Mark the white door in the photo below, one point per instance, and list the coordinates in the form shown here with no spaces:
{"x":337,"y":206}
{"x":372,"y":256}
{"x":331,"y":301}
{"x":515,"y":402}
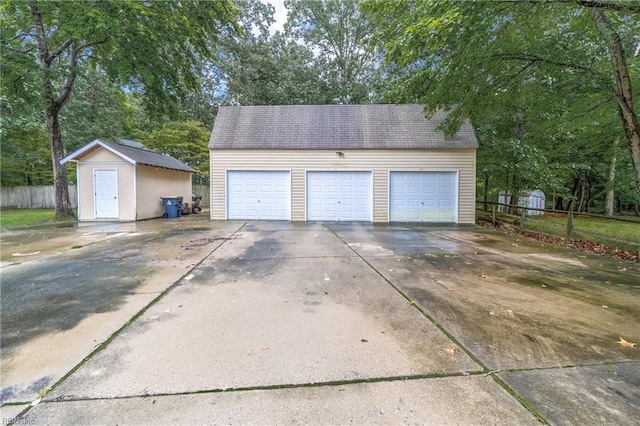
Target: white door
{"x":258,"y":195}
{"x":423,"y":197}
{"x":340,"y":196}
{"x":106,"y":193}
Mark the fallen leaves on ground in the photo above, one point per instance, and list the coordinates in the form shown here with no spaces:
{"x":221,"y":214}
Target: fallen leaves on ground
{"x":625,"y":344}
{"x":582,"y":245}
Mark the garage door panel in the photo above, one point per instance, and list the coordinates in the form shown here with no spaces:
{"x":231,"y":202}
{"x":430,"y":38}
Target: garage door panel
{"x":339,"y":196}
{"x":258,"y":195}
{"x":423,"y":197}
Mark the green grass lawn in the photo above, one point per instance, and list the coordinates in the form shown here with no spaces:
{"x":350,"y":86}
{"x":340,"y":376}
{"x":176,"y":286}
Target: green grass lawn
{"x":17,"y":218}
{"x":625,"y":231}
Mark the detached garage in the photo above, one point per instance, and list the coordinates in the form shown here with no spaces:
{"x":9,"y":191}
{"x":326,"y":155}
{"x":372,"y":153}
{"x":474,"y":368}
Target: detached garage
{"x":123,"y":181}
{"x":370,"y":163}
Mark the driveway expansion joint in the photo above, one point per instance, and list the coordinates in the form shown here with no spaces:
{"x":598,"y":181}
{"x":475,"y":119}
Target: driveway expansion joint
{"x":331,"y":383}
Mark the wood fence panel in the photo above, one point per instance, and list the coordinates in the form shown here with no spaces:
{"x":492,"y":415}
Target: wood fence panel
{"x":204,"y":191}
{"x":43,"y":197}
{"x":32,"y":197}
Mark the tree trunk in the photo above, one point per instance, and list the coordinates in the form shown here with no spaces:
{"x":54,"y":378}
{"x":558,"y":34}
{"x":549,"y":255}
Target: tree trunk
{"x":583,"y":189}
{"x":623,"y":90}
{"x":608,"y":205}
{"x":60,"y":182}
{"x":53,"y":106}
{"x":486,"y":189}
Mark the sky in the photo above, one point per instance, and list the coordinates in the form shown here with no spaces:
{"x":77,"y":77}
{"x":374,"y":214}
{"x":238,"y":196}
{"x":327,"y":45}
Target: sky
{"x":280,"y":15}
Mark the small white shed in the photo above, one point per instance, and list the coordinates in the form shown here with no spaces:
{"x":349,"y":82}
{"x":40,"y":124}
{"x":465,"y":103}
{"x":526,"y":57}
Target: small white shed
{"x":123,"y":181}
{"x":531,"y":199}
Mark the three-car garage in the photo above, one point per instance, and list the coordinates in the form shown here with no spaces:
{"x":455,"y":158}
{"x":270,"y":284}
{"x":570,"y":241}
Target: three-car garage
{"x":367,"y":163}
{"x":413,"y":196}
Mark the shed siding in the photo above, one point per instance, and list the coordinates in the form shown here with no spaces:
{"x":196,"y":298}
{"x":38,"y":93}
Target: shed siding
{"x":381,"y":162}
{"x":86,"y":190}
{"x":156,"y":182}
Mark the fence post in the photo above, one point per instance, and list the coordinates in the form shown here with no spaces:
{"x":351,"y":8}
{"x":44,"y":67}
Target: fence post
{"x":570,"y":223}
{"x":523,"y":215}
{"x":493,"y":215}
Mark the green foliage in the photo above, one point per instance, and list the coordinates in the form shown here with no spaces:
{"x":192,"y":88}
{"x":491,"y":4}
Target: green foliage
{"x":96,"y":110}
{"x":534,"y":77}
{"x":273,"y":72}
{"x":340,"y":36}
{"x":25,"y":158}
{"x":151,"y":48}
{"x":187,"y":141}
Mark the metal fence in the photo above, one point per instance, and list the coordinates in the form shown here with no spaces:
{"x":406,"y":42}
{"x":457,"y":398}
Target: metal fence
{"x":43,"y":197}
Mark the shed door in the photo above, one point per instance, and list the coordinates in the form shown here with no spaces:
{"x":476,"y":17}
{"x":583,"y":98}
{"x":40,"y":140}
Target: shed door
{"x":258,"y":195}
{"x":339,"y":196}
{"x":423,"y":197}
{"x":106,"y":193}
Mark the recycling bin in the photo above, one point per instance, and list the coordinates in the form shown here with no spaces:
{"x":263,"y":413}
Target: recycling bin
{"x":172,"y":206}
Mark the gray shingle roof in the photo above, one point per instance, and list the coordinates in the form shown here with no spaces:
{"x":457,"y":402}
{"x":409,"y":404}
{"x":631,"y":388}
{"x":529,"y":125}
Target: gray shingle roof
{"x":333,"y":127}
{"x":150,"y":158}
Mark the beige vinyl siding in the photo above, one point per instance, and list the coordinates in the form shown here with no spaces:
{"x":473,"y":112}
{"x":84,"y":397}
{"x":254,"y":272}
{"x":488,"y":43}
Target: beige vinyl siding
{"x":380,"y":162}
{"x":155,"y":182}
{"x":101,"y":159}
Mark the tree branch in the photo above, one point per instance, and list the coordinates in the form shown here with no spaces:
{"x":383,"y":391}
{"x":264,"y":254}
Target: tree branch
{"x":539,"y":59}
{"x":89,"y":44}
{"x":61,"y":49}
{"x":71,"y":78}
{"x":41,"y":38}
{"x":617,"y":6}
{"x":624,"y":6}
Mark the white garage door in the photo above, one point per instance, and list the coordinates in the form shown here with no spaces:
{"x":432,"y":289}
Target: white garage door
{"x":258,"y":195}
{"x":423,"y":197}
{"x":339,"y":196}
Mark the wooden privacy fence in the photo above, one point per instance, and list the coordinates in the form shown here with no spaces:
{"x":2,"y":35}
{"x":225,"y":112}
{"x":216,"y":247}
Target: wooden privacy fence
{"x":32,"y":197}
{"x":43,"y":197}
{"x":205,"y":192}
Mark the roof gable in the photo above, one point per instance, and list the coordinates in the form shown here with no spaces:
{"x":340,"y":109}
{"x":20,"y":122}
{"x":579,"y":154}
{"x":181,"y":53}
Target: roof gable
{"x":334,"y":127}
{"x":130,"y":154}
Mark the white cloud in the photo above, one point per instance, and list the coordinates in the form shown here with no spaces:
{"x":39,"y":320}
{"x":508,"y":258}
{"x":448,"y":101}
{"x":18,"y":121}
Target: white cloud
{"x":280,"y":15}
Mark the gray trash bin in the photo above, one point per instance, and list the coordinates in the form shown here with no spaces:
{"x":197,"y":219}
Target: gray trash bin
{"x":180,"y":205}
{"x":172,"y":206}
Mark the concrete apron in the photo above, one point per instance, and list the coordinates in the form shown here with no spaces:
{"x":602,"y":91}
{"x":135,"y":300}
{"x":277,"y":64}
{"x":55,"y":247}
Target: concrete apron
{"x":290,"y":323}
{"x":56,"y":310}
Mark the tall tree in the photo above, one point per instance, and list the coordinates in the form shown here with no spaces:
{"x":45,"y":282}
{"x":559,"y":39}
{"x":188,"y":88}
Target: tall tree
{"x":340,"y":35}
{"x":260,"y":68}
{"x":152,"y":47}
{"x":273,"y":71}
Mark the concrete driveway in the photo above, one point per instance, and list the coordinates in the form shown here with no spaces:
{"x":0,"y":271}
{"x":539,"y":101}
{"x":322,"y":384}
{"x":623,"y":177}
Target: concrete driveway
{"x":191,"y":321}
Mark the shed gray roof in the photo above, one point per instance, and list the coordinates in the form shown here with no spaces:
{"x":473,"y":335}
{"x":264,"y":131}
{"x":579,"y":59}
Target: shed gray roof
{"x":131,"y":154}
{"x":334,"y":127}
